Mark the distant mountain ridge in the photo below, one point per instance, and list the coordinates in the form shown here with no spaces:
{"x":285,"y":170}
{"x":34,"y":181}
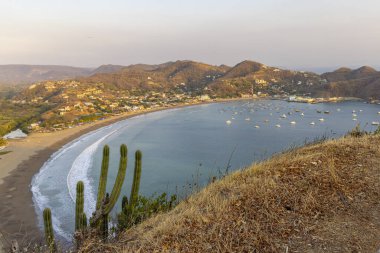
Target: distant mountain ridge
{"x":18,"y":74}
{"x":23,"y":74}
{"x":246,"y":77}
{"x":109,"y":68}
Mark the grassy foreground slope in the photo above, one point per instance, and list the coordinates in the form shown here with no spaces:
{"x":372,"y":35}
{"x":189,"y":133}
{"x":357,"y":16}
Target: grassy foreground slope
{"x":320,"y":198}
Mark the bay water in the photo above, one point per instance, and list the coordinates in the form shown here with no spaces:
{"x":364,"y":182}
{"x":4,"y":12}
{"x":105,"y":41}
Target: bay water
{"x":187,"y":146}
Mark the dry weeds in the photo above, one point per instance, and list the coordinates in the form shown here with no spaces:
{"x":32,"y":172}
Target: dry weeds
{"x":320,"y":198}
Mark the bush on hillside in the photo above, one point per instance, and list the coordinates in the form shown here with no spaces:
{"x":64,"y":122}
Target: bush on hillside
{"x":3,"y":142}
{"x":377,"y":132}
{"x":357,"y":132}
{"x":145,"y":208}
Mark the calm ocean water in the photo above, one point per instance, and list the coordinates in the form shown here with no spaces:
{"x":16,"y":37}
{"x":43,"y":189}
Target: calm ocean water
{"x":188,"y":145}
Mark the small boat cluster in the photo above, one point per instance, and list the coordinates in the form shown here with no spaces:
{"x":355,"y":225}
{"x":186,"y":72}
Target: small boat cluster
{"x":286,"y":115}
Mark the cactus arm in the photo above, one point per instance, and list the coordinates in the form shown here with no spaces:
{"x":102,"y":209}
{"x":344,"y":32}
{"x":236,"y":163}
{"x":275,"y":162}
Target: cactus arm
{"x":119,"y":180}
{"x":49,"y":234}
{"x":83,"y":222}
{"x":136,"y":179}
{"x":79,"y":205}
{"x":103,"y":176}
{"x":104,"y":219}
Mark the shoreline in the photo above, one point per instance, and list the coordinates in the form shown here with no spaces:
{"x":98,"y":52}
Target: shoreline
{"x":26,"y":158}
{"x":28,"y":155}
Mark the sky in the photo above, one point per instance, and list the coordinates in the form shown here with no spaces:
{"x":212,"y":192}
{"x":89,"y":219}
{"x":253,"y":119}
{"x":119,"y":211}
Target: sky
{"x":286,"y":33}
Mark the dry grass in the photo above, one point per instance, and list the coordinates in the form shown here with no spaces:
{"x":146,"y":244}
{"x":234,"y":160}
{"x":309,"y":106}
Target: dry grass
{"x":320,"y":198}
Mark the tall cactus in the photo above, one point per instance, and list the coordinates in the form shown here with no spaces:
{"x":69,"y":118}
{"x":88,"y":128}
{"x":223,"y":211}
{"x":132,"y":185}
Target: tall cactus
{"x":83,"y":221}
{"x":119,"y":179}
{"x":49,"y":234}
{"x":128,"y":209}
{"x":136,"y":180}
{"x":105,"y":203}
{"x":103,"y":176}
{"x":79,"y":206}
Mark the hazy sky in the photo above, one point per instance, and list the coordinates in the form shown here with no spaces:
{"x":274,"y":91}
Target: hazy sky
{"x":287,"y":33}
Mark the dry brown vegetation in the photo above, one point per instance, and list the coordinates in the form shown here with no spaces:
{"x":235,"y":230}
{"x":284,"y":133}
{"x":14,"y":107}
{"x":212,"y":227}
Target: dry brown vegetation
{"x":3,"y":142}
{"x":319,"y":198}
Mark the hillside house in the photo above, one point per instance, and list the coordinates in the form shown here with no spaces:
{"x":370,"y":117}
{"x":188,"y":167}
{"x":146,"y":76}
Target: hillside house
{"x":261,"y":81}
{"x":245,"y":95}
{"x":204,"y":97}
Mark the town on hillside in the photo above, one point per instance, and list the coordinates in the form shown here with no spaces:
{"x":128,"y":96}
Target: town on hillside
{"x":47,"y":106}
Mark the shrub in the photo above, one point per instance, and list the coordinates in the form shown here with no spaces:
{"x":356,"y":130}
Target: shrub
{"x":144,"y":208}
{"x":377,"y":132}
{"x":357,"y":132}
{"x":3,"y":142}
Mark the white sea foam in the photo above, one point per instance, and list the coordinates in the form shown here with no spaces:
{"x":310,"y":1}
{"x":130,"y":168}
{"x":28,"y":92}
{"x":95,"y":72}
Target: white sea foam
{"x":79,"y":171}
{"x":41,"y":201}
